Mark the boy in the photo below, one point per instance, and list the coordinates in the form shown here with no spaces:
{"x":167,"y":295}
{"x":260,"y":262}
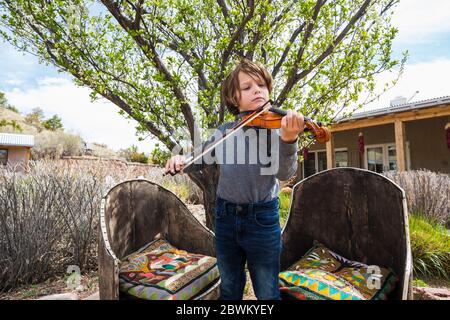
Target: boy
{"x":247,"y":225}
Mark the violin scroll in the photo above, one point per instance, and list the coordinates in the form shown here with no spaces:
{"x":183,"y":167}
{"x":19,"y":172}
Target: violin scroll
{"x":272,"y":120}
{"x":321,"y":134}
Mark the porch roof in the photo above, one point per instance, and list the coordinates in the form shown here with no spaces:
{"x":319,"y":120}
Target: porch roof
{"x":19,"y":140}
{"x":441,"y":101}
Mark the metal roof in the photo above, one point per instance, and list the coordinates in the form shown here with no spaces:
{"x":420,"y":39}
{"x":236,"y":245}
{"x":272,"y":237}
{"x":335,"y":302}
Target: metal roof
{"x":19,"y":140}
{"x":398,"y":108}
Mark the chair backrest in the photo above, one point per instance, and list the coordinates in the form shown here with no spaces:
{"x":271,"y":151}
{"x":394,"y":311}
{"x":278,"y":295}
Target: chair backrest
{"x":138,"y":210}
{"x":359,"y":214}
{"x":132,"y":214}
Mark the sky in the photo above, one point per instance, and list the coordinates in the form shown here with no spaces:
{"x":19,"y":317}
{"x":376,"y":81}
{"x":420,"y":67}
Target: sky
{"x":424,"y":30}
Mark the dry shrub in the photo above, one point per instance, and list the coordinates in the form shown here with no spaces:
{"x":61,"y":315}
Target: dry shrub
{"x":48,"y":221}
{"x":55,"y":144}
{"x":49,"y":215}
{"x":427,"y":193}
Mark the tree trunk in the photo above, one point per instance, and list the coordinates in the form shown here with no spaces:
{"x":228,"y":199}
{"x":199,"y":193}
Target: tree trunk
{"x":207,"y":180}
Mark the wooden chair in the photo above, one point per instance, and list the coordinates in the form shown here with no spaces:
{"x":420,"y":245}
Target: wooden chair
{"x":359,"y":214}
{"x":132,"y":214}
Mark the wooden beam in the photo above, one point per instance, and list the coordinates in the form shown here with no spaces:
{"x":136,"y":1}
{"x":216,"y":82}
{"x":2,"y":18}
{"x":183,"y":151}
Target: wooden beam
{"x":400,"y":145}
{"x":330,"y":153}
{"x":419,"y":114}
{"x":27,"y":160}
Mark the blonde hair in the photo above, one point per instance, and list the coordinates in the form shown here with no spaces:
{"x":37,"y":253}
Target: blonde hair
{"x":230,"y":85}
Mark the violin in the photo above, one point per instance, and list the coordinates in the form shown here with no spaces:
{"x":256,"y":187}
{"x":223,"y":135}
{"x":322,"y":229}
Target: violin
{"x":264,"y":117}
{"x":271,"y":119}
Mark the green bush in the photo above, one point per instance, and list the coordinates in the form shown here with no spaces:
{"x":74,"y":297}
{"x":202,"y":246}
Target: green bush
{"x":430,"y":246}
{"x":284,"y":203}
{"x":420,"y":283}
{"x":133,"y":155}
{"x":159,"y":155}
{"x":139,"y":157}
{"x":180,"y":189}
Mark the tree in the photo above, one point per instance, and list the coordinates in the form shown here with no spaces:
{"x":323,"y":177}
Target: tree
{"x":35,"y":117}
{"x":132,"y":154}
{"x":162,"y":62}
{"x":12,"y":108}
{"x":3,"y":100}
{"x":4,"y":103}
{"x":53,"y":124}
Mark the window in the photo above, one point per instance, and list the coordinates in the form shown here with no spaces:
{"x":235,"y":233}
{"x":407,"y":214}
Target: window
{"x":392,"y":158}
{"x":3,"y":156}
{"x":341,"y":159}
{"x":317,"y":161}
{"x":375,"y":160}
{"x":321,"y":161}
{"x":383,"y":157}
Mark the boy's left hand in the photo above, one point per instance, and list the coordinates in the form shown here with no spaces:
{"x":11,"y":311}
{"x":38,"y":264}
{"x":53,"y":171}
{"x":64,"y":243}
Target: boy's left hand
{"x":292,"y":125}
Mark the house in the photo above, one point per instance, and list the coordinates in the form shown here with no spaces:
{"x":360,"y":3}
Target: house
{"x":15,"y":149}
{"x":403,"y":136}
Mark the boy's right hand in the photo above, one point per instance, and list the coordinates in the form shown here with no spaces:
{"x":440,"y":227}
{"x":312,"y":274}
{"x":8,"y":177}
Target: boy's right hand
{"x":175,"y":164}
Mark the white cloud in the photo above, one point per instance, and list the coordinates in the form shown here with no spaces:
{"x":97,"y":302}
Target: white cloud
{"x":419,"y":20}
{"x":95,"y":122}
{"x":429,"y":78}
{"x":14,"y":82}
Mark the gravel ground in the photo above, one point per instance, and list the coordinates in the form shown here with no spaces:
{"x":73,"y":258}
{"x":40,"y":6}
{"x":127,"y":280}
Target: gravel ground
{"x":88,"y":287}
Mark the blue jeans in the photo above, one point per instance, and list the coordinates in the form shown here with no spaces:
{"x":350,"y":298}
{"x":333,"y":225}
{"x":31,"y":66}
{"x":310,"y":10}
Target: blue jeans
{"x":248,"y":233}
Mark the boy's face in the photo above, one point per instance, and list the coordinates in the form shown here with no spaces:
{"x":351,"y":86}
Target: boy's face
{"x":253,"y":92}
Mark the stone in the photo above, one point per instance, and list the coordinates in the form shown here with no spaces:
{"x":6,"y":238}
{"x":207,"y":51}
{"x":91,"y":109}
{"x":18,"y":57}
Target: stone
{"x":95,"y":296}
{"x":61,"y":296}
{"x":79,"y":288}
{"x":431,"y":293}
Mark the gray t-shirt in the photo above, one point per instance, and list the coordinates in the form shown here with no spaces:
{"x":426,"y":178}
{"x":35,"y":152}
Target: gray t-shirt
{"x":250,"y":163}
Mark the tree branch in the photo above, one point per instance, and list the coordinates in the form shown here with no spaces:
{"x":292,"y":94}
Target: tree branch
{"x":150,"y":52}
{"x":283,"y":12}
{"x":297,"y":77}
{"x":287,"y":49}
{"x":256,"y":36}
{"x":225,"y":13}
{"x":336,"y":42}
{"x":291,"y":75}
{"x":237,"y":34}
{"x":64,"y":63}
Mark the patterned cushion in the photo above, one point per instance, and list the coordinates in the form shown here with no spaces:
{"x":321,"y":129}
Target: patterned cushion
{"x":324,"y":275}
{"x":160,"y":271}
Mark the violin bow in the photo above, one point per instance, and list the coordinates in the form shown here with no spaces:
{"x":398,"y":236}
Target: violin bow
{"x":190,"y":160}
